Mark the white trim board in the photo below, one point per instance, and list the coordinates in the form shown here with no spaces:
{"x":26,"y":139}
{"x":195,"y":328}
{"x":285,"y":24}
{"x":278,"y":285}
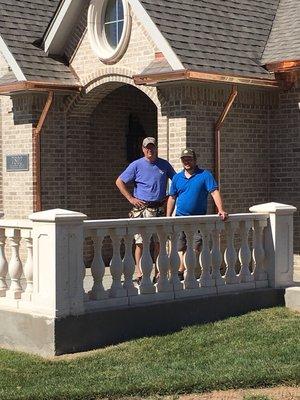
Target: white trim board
{"x":11,"y":61}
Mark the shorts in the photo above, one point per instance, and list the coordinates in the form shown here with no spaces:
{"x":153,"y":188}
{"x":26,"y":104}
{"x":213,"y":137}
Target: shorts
{"x":181,"y":244}
{"x":147,"y":212}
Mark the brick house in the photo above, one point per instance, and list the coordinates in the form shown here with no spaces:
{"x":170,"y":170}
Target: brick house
{"x":82,"y":81}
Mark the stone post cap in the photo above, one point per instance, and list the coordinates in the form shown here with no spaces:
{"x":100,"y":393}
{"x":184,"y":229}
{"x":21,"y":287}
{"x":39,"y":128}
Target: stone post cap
{"x":57,"y":215}
{"x":273,"y":207}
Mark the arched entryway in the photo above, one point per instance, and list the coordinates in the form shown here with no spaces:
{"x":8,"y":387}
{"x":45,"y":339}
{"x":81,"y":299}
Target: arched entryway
{"x":118,"y":124}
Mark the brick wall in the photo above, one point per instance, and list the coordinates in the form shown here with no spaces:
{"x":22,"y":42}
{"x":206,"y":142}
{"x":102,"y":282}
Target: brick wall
{"x":285,"y":154}
{"x":17,"y":121}
{"x":193,"y":111}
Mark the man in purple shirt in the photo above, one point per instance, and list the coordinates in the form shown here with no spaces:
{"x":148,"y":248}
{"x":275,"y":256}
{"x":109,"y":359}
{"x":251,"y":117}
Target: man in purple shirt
{"x":150,"y":176}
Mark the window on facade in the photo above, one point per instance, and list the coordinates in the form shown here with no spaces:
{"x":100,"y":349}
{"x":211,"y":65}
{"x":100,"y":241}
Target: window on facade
{"x":114,"y":22}
{"x":109,"y":26}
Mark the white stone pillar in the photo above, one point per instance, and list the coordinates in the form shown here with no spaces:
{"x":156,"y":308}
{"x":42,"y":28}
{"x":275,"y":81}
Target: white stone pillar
{"x":58,"y":269}
{"x":278,"y":243}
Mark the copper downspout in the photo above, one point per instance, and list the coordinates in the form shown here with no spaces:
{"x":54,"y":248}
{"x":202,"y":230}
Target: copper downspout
{"x":36,"y":154}
{"x":218,"y":127}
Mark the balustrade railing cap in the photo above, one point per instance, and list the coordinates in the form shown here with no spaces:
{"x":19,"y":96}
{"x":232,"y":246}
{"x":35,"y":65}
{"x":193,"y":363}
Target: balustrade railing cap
{"x":273,"y":207}
{"x":58,"y":215}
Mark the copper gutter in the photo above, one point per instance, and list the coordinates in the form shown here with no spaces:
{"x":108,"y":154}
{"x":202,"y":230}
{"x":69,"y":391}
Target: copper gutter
{"x":283,"y":66}
{"x":154,"y":79}
{"x":15,"y":87}
{"x":218,"y":127}
{"x":36,"y":154}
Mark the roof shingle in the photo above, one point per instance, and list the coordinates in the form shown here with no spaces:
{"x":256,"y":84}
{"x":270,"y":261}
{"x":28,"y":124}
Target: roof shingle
{"x":22,"y":24}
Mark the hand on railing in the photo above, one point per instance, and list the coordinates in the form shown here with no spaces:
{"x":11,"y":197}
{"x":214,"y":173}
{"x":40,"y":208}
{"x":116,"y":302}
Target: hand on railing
{"x":223,"y":215}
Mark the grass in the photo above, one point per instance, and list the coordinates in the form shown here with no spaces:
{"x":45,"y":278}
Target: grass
{"x":255,"y":350}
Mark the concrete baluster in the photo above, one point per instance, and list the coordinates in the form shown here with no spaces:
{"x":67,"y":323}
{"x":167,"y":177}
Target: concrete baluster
{"x":278,"y":243}
{"x":129,"y":265}
{"x":163,"y":262}
{"x":98,"y":268}
{"x":216,"y":255}
{"x":15,"y":265}
{"x":146,"y":285}
{"x":230,"y":253}
{"x":205,"y":257}
{"x":3,"y":264}
{"x":174,"y":260}
{"x":245,"y":252}
{"x":116,"y":264}
{"x":258,"y":251}
{"x":190,"y":281}
{"x":28,"y":267}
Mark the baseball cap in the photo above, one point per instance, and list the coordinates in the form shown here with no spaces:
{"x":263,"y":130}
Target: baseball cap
{"x":188,"y":153}
{"x":149,"y":140}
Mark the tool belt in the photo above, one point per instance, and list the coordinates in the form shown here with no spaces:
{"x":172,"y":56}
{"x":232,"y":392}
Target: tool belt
{"x":155,"y":207}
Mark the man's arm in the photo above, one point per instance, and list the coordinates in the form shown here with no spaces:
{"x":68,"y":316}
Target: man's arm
{"x":170,"y":206}
{"x":219,"y":204}
{"x":125,"y":192}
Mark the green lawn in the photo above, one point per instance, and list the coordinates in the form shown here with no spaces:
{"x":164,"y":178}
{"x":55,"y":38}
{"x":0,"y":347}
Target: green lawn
{"x":254,"y":350}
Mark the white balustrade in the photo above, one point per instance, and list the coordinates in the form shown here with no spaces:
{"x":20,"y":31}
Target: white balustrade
{"x":258,"y":251}
{"x":28,"y":266}
{"x":98,"y":267}
{"x":174,"y":261}
{"x":15,"y":266}
{"x":163,"y":261}
{"x":206,"y":279}
{"x":216,"y":255}
{"x":230,"y":253}
{"x":3,"y":264}
{"x":129,"y":265}
{"x":190,"y":281}
{"x":63,"y":269}
{"x":116,"y":264}
{"x":245,"y":253}
{"x":146,"y":285}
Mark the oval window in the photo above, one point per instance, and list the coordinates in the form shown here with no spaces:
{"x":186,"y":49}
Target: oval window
{"x":109,"y":28}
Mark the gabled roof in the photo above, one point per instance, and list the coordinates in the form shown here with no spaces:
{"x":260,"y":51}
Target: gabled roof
{"x":227,"y":37}
{"x":284,"y":41}
{"x":22,"y":24}
{"x":216,"y":35}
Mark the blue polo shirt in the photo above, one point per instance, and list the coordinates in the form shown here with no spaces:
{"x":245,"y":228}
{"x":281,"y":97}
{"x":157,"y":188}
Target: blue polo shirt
{"x":191,"y":193}
{"x":149,"y":178}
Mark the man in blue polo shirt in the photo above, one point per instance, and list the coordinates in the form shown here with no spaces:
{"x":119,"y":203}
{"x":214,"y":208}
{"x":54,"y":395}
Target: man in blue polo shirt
{"x":189,"y":190}
{"x":150,"y":176}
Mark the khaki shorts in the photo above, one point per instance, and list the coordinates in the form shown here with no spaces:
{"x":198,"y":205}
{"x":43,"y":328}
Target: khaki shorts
{"x":146,"y":213}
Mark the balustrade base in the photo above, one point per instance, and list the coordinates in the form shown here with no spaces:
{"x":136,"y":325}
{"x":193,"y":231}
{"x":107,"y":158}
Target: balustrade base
{"x":107,"y":303}
{"x":203,"y":291}
{"x":14,"y":295}
{"x":26,"y":296}
{"x":262,"y":284}
{"x":151,"y":298}
{"x":48,"y":336}
{"x":236,"y":287}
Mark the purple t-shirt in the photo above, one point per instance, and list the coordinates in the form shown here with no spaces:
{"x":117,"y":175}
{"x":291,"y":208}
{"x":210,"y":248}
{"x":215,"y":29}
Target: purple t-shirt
{"x":149,"y":178}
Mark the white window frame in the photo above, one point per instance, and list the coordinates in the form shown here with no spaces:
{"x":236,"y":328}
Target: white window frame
{"x":97,"y":36}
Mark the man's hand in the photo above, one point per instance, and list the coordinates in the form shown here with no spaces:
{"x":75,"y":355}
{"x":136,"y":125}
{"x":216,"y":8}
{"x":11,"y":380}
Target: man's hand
{"x":223,"y":215}
{"x":136,"y":202}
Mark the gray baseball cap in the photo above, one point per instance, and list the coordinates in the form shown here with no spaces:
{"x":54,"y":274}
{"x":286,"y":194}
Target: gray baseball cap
{"x":149,"y":140}
{"x":188,"y":153}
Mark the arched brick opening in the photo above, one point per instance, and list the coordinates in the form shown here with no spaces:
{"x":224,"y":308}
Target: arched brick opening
{"x":98,"y":126}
